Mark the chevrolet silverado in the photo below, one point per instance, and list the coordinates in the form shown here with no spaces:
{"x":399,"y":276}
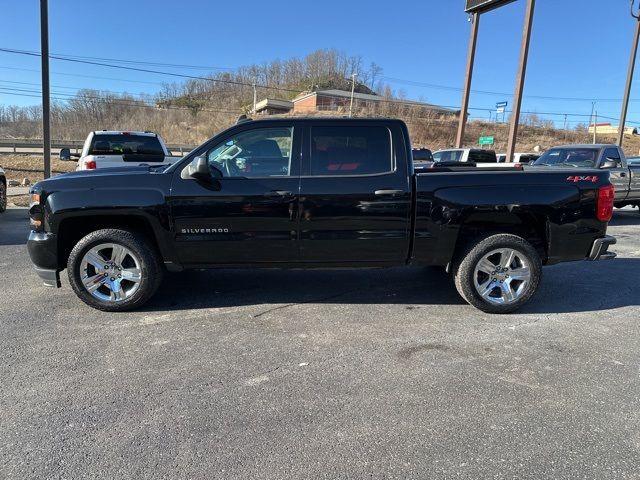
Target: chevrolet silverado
{"x":315,"y":193}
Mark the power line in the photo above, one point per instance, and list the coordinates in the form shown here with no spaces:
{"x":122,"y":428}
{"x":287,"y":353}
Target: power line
{"x":115,"y":101}
{"x":136,"y":62}
{"x":500,"y":94}
{"x":82,"y":76}
{"x":79,"y":59}
{"x":145,"y":70}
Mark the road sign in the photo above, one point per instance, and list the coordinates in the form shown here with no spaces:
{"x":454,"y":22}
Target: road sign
{"x":486,"y":140}
{"x":500,"y":110}
{"x":484,"y":5}
{"x":502,"y":104}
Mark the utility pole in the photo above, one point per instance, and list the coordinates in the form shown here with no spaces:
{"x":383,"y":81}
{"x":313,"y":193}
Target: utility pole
{"x":46,"y":108}
{"x":595,"y":126}
{"x":471,"y":55}
{"x":632,"y":64}
{"x":353,"y":89}
{"x":255,"y":98}
{"x":517,"y":100}
{"x":591,"y":120}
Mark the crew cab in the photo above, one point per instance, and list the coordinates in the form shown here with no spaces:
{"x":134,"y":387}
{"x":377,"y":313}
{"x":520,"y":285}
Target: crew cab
{"x":477,"y":156}
{"x":315,"y":193}
{"x":624,"y":176}
{"x":106,"y":149}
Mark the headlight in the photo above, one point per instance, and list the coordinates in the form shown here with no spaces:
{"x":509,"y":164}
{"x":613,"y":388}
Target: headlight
{"x":36,"y":212}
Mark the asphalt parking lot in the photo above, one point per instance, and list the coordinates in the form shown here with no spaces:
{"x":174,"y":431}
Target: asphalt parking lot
{"x":340,"y":374}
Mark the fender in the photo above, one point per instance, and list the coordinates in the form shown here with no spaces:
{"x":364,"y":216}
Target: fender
{"x":148,"y":204}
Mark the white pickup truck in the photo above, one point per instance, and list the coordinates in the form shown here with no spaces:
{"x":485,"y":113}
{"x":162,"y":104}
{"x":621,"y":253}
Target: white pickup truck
{"x":108,"y":148}
{"x":476,"y":156}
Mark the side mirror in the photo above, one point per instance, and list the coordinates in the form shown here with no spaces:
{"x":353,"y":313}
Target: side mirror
{"x":200,"y":170}
{"x":610,"y":162}
{"x":531,"y":162}
{"x":65,"y":154}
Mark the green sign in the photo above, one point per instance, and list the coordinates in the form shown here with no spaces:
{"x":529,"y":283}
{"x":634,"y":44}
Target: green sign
{"x":486,"y":141}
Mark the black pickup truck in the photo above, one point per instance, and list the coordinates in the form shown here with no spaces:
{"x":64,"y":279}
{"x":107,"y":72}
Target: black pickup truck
{"x":315,"y":193}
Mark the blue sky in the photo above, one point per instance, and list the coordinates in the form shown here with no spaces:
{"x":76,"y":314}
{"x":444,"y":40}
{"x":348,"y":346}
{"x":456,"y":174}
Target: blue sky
{"x":579,"y":49}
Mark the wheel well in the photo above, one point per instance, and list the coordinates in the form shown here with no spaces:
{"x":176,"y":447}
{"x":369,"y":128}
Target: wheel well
{"x":529,"y":226}
{"x":71,"y":230}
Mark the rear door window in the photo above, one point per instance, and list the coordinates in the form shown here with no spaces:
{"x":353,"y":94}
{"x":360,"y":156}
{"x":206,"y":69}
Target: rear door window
{"x":350,"y":150}
{"x":611,"y":153}
{"x":482,"y":156}
{"x":125,"y":144}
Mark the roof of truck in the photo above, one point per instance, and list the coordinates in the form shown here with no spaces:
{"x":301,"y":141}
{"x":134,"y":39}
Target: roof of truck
{"x":588,"y":145}
{"x":124,"y":132}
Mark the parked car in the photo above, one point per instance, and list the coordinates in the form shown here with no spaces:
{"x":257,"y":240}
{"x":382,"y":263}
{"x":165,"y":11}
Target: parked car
{"x":315,"y":193}
{"x":422,"y":158}
{"x":3,"y":191}
{"x":104,"y":148}
{"x":478,"y":156}
{"x":625,"y":177}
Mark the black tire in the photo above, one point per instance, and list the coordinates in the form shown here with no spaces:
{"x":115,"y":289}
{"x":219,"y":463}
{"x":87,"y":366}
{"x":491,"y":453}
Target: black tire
{"x":151,"y":271}
{"x":472,"y":254}
{"x":3,"y":196}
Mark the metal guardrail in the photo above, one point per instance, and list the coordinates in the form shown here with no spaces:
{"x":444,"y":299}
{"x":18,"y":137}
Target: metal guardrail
{"x":34,"y":147}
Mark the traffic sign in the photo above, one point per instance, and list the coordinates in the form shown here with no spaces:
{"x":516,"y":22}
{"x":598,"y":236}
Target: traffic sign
{"x":502,"y":104}
{"x":486,"y":140}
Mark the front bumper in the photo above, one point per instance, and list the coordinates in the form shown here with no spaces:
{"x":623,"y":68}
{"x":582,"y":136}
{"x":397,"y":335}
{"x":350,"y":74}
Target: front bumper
{"x":599,"y":250}
{"x":43,"y":250}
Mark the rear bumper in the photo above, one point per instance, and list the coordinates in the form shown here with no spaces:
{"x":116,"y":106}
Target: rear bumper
{"x":43,"y":250}
{"x":599,"y":250}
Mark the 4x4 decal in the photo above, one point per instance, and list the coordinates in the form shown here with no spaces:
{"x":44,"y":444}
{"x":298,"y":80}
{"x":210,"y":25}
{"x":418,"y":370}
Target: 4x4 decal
{"x":588,"y":178}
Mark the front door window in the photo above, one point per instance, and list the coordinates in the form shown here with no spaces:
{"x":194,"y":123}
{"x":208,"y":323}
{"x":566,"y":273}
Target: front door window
{"x":262,"y":152}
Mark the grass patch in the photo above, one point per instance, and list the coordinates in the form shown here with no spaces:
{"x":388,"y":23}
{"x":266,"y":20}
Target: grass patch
{"x":18,"y":167}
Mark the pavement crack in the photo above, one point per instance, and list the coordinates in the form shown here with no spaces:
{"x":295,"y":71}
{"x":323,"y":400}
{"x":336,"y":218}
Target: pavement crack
{"x":314,"y":300}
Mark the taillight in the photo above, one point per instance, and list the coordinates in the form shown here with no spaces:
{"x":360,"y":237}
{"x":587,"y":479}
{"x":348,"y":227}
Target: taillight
{"x":604,"y":207}
{"x":90,"y":165}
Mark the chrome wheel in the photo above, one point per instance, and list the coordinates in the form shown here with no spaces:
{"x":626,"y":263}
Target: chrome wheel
{"x":110,"y":272}
{"x":502,"y":276}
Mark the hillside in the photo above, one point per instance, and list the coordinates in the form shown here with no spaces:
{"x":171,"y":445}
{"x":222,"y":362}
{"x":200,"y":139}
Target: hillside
{"x":192,"y":111}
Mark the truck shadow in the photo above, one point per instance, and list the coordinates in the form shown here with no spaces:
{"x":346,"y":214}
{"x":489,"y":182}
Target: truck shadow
{"x":14,"y":226}
{"x":571,"y":287}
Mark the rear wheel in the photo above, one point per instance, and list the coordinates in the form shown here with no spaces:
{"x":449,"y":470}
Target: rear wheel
{"x":498,"y":274}
{"x":114,"y":270}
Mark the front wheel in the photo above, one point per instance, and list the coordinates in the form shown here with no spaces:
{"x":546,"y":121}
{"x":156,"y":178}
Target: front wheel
{"x":114,"y":270}
{"x":499,"y":274}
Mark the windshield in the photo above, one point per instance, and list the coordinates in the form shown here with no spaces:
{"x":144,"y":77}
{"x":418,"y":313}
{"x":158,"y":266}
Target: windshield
{"x":125,"y":144}
{"x":569,"y":157}
{"x":448,"y":156}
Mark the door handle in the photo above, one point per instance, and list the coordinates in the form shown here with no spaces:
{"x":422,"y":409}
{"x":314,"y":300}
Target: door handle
{"x":390,"y":193}
{"x":278,"y":194}
{"x":623,"y":174}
